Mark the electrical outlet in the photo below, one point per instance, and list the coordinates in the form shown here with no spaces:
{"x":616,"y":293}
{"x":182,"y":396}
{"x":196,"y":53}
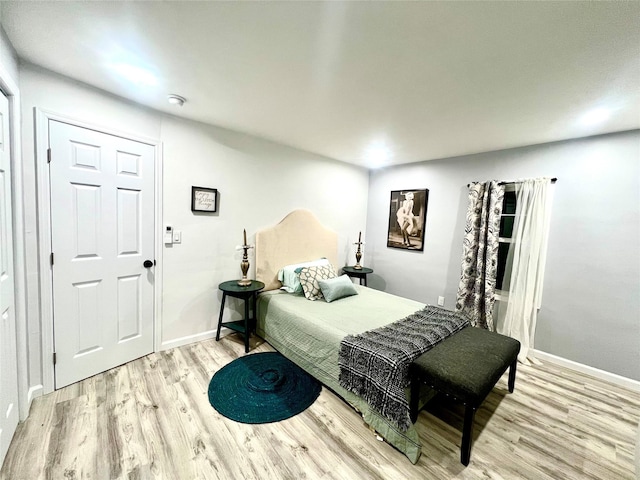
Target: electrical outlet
{"x":441,"y":301}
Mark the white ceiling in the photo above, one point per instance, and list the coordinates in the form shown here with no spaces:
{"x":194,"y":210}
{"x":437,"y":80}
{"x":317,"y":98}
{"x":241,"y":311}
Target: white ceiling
{"x":423,"y":80}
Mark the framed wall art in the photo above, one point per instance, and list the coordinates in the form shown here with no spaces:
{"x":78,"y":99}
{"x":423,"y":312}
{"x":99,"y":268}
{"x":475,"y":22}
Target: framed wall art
{"x":407,"y":219}
{"x":204,"y":199}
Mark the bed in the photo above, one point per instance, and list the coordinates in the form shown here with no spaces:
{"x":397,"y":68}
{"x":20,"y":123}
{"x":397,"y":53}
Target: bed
{"x":309,"y":333}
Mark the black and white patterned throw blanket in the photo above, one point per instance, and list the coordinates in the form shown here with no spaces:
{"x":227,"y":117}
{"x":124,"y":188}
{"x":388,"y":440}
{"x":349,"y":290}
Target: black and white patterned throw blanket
{"x":375,"y":364}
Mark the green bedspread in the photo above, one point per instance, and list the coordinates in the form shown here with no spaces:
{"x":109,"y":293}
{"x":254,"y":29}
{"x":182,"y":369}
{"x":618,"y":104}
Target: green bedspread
{"x":309,"y":333}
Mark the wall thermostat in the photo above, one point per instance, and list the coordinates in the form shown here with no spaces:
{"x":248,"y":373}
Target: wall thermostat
{"x":168,"y":234}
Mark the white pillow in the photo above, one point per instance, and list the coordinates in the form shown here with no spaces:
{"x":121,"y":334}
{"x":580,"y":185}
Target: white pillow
{"x":291,"y":279}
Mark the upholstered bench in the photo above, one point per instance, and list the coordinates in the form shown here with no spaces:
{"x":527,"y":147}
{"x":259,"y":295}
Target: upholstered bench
{"x":465,"y":367}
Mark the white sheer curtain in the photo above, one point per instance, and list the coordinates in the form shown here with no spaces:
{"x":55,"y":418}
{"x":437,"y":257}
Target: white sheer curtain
{"x":527,"y":257}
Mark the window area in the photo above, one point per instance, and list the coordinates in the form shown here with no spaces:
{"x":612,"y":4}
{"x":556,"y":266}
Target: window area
{"x":507,"y":220}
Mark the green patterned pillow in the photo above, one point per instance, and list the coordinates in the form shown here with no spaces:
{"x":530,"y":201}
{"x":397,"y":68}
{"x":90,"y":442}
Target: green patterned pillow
{"x":309,"y":277}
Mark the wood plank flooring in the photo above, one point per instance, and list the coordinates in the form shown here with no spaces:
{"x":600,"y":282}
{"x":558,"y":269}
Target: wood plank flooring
{"x":151,"y":419}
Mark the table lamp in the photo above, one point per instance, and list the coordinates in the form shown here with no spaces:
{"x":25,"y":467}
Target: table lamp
{"x":357,"y":266}
{"x":244,"y":265}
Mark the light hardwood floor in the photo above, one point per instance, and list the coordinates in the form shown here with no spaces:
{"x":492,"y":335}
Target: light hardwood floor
{"x":151,"y":418}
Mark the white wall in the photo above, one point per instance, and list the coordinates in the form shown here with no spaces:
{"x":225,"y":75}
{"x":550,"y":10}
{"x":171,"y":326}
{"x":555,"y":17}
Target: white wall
{"x":591,"y":304}
{"x":8,"y":56}
{"x":259,"y":183}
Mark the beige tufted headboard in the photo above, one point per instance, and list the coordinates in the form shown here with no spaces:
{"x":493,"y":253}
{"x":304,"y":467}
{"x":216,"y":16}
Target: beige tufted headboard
{"x":299,"y":237}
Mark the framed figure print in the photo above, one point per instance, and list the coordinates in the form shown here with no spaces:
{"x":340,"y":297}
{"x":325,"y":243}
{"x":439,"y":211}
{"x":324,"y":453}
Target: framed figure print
{"x":407,"y":219}
{"x":204,"y":199}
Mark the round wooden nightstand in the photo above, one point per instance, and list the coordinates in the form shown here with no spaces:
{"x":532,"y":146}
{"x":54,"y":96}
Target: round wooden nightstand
{"x":250,"y":292}
{"x":360,"y":273}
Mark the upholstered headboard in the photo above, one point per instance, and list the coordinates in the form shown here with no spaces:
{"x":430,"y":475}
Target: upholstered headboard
{"x":299,"y":237}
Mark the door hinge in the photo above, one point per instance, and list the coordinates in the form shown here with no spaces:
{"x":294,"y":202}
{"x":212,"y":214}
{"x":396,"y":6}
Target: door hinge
{"x":55,"y":358}
{"x":52,"y":259}
{"x":48,"y":155}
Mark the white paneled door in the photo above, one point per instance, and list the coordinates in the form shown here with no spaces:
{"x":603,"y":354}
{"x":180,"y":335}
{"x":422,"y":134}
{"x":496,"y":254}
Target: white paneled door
{"x":102,"y":228}
{"x":8,"y":358}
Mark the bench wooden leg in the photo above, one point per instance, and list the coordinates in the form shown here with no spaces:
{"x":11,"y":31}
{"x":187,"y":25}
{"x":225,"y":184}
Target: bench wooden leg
{"x":467,"y":435}
{"x":414,"y":400}
{"x":512,"y":375}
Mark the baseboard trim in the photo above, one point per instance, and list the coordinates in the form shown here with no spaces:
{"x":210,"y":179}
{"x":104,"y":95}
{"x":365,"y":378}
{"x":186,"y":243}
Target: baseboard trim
{"x":34,"y":392}
{"x":179,"y":342}
{"x":587,"y":370}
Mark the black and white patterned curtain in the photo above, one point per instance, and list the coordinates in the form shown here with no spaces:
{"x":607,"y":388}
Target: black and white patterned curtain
{"x":476,"y":290}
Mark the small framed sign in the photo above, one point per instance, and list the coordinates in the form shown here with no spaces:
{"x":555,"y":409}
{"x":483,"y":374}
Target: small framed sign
{"x":204,"y":199}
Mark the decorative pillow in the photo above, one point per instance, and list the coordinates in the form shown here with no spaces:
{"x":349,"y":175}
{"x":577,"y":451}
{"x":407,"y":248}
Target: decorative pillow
{"x":309,"y":278}
{"x":337,"y":288}
{"x":289,"y":275}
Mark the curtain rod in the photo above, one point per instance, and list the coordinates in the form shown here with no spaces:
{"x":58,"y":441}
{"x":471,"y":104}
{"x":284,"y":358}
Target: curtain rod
{"x":553,"y":180}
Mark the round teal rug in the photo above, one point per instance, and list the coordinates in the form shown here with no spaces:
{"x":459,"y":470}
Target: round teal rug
{"x":262,"y":388}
